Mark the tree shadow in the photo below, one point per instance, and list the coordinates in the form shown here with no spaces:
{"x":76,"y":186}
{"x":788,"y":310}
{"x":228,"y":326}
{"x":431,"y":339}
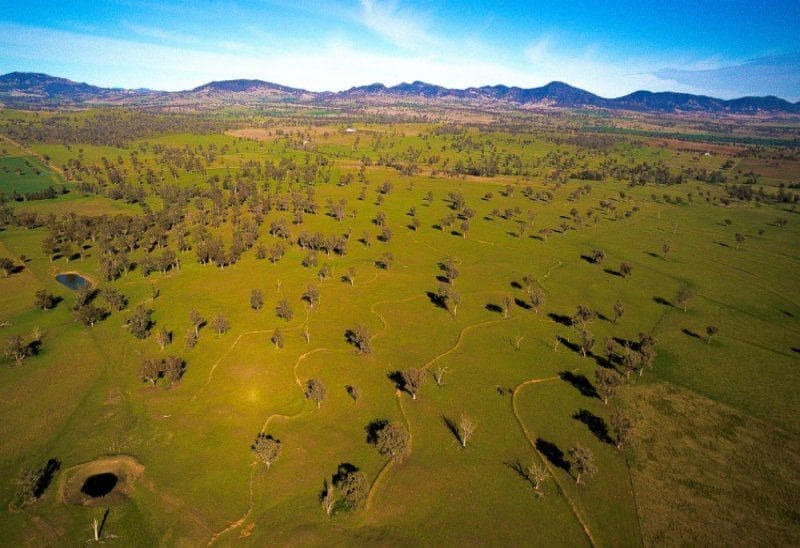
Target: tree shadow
{"x":342,"y":471}
{"x":561,"y":319}
{"x":603,"y":317}
{"x":491,"y":307}
{"x":519,"y":468}
{"x":442,"y":278}
{"x":522,"y":304}
{"x":723,"y":244}
{"x":436,"y":300}
{"x":597,"y":425}
{"x":690,"y":333}
{"x":552,"y":453}
{"x":588,"y":259}
{"x":662,"y":301}
{"x":397,"y":378}
{"x":571,"y":345}
{"x":452,"y":426}
{"x":515,"y":284}
{"x":373,"y":428}
{"x":581,"y":383}
{"x":613,"y":272}
{"x":437,"y":227}
{"x":46,"y":474}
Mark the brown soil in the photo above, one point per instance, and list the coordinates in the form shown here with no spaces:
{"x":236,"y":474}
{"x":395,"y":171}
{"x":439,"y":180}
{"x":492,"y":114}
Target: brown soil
{"x":126,"y":469}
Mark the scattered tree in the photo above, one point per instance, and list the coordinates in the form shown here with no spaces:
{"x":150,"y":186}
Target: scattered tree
{"x":587,"y":342}
{"x":150,"y":371}
{"x":163,"y":337}
{"x":316,"y":391}
{"x":582,"y":461}
{"x":360,"y":338}
{"x":256,"y":299}
{"x":622,"y":426}
{"x":607,"y":381}
{"x":311,"y":295}
{"x":277,"y":338}
{"x":44,"y":300}
{"x":683,"y":297}
{"x":220,"y":324}
{"x":393,"y":441}
{"x":284,"y":310}
{"x":537,"y":300}
{"x":114,"y":298}
{"x":711,"y":330}
{"x":266,"y":449}
{"x":625,"y":269}
{"x":16,"y":349}
{"x":413,"y":379}
{"x":353,"y":392}
{"x":196,"y":320}
{"x":619,"y":310}
{"x":140,"y":323}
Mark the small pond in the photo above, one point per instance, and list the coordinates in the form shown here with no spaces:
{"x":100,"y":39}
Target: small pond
{"x":72,"y":280}
{"x":99,"y":485}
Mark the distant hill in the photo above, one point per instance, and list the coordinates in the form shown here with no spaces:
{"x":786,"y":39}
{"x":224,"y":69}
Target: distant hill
{"x":34,"y":90}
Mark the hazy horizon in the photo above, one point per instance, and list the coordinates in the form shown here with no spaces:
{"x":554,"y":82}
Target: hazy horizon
{"x":723,"y":49}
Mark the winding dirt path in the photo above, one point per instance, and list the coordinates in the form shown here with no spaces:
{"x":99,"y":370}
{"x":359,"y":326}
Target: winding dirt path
{"x":238,"y":523}
{"x":542,"y":458}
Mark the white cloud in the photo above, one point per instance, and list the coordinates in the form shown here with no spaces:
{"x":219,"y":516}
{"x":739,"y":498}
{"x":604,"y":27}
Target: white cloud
{"x":400,"y":26}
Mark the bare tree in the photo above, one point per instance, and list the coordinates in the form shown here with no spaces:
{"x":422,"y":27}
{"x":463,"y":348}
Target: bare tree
{"x":536,"y":474}
{"x":413,"y":379}
{"x":619,"y":310}
{"x":683,"y":297}
{"x":466,"y":427}
{"x":438,"y":375}
{"x":506,"y":305}
{"x":711,"y":330}
{"x":328,"y":498}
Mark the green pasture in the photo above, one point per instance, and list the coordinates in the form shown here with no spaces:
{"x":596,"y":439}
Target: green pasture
{"x":709,"y":408}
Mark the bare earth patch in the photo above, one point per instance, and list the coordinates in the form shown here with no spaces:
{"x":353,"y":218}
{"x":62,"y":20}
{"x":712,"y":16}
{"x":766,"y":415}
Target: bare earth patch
{"x":104,"y":481}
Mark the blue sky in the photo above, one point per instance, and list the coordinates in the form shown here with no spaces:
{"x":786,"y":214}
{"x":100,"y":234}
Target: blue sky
{"x":725,"y":48}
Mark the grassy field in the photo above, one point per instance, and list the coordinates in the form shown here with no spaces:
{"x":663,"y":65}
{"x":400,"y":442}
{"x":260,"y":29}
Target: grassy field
{"x":712,"y":458}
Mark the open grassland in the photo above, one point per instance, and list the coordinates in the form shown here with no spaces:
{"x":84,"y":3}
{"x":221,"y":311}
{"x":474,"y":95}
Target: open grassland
{"x":712,"y":458}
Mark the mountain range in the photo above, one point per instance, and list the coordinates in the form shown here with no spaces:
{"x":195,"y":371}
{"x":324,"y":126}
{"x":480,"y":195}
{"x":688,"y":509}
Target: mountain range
{"x":36,"y":90}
